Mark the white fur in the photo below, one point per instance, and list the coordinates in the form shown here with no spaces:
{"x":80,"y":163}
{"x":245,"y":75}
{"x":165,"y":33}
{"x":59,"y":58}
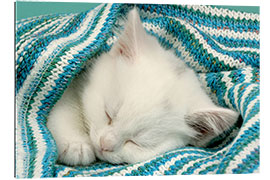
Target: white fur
{"x":146,"y":91}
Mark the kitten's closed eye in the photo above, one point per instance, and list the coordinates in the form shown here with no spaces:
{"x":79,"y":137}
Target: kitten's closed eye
{"x":109,"y":118}
{"x":131,"y":141}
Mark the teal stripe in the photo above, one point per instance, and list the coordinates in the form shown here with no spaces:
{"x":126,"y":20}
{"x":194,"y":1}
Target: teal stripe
{"x":31,"y":25}
{"x":31,"y":142}
{"x":254,"y":93}
{"x":243,"y":140}
{"x":33,"y":146}
{"x":209,"y":159}
{"x":39,"y":46}
{"x":209,"y":169}
{"x":250,"y":163}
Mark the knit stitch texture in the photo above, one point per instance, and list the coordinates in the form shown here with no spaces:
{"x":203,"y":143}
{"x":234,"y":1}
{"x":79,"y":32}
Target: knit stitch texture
{"x":221,"y":45}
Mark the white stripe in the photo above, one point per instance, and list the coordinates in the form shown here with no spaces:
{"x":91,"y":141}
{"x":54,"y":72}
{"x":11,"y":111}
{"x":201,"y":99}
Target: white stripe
{"x":40,"y":96}
{"x":245,"y":95}
{"x":87,"y":172}
{"x":228,"y":33}
{"x":176,"y":44}
{"x":204,"y":83}
{"x":20,"y":153}
{"x":25,"y":40}
{"x":19,"y":148}
{"x":245,"y":127}
{"x":50,"y":48}
{"x":235,"y":92}
{"x":96,"y":171}
{"x":22,"y":156}
{"x":191,"y":163}
{"x":167,"y":165}
{"x":62,"y":24}
{"x":65,"y":171}
{"x":38,"y":28}
{"x":47,"y":26}
{"x":47,"y":88}
{"x":212,"y":31}
{"x":25,"y":21}
{"x":135,"y":166}
{"x":34,"y":18}
{"x":228,"y":85}
{"x":227,"y":60}
{"x":246,"y":49}
{"x":248,"y":73}
{"x":251,"y":105}
{"x":204,"y":166}
{"x":224,"y":12}
{"x":130,"y":168}
{"x":238,"y":159}
{"x":30,"y":38}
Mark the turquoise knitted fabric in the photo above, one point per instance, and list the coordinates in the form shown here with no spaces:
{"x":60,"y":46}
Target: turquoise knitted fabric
{"x":221,"y":45}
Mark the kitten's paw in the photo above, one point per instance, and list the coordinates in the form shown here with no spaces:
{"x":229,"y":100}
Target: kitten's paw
{"x":76,"y":153}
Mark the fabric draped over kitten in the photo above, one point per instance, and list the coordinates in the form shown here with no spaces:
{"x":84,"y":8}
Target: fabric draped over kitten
{"x":137,"y":101}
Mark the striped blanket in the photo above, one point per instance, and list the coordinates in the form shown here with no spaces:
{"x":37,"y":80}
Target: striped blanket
{"x":221,"y":45}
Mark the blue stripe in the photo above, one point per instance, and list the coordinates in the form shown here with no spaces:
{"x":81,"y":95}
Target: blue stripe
{"x":231,"y":97}
{"x":201,"y":60}
{"x":244,"y":139}
{"x":253,"y":111}
{"x":192,"y":45}
{"x":232,"y":42}
{"x":51,"y":150}
{"x":189,"y":15}
{"x":50,"y":27}
{"x":218,"y":87}
{"x":209,"y":169}
{"x":24,"y":147}
{"x":39,"y":46}
{"x":250,"y":163}
{"x":254,"y":93}
{"x":197,"y":165}
{"x":249,"y":58}
{"x":63,"y":81}
{"x":28,"y":26}
{"x":149,"y":167}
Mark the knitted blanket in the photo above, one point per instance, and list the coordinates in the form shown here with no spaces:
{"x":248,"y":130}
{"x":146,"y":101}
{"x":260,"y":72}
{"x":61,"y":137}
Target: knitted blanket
{"x":221,"y":45}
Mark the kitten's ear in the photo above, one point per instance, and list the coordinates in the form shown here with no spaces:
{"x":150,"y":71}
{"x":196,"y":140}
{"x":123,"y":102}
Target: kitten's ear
{"x":210,"y":123}
{"x":131,"y":39}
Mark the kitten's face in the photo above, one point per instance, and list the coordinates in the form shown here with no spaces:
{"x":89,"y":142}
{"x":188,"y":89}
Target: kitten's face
{"x":131,"y":104}
{"x":127,"y":100}
{"x":132,"y":139}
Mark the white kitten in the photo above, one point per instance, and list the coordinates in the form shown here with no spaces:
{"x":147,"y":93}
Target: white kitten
{"x":137,"y":101}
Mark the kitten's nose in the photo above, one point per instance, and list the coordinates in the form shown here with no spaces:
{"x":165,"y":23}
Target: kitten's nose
{"x":107,"y":143}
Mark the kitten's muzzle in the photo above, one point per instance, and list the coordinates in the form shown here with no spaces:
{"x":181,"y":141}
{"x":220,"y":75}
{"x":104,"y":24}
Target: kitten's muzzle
{"x":107,"y":143}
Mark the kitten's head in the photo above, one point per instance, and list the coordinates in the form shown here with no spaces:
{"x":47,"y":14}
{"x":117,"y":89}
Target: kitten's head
{"x":132,"y":104}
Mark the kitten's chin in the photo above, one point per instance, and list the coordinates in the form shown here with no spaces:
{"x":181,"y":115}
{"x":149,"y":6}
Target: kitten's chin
{"x":99,"y":155}
{"x":109,"y":157}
